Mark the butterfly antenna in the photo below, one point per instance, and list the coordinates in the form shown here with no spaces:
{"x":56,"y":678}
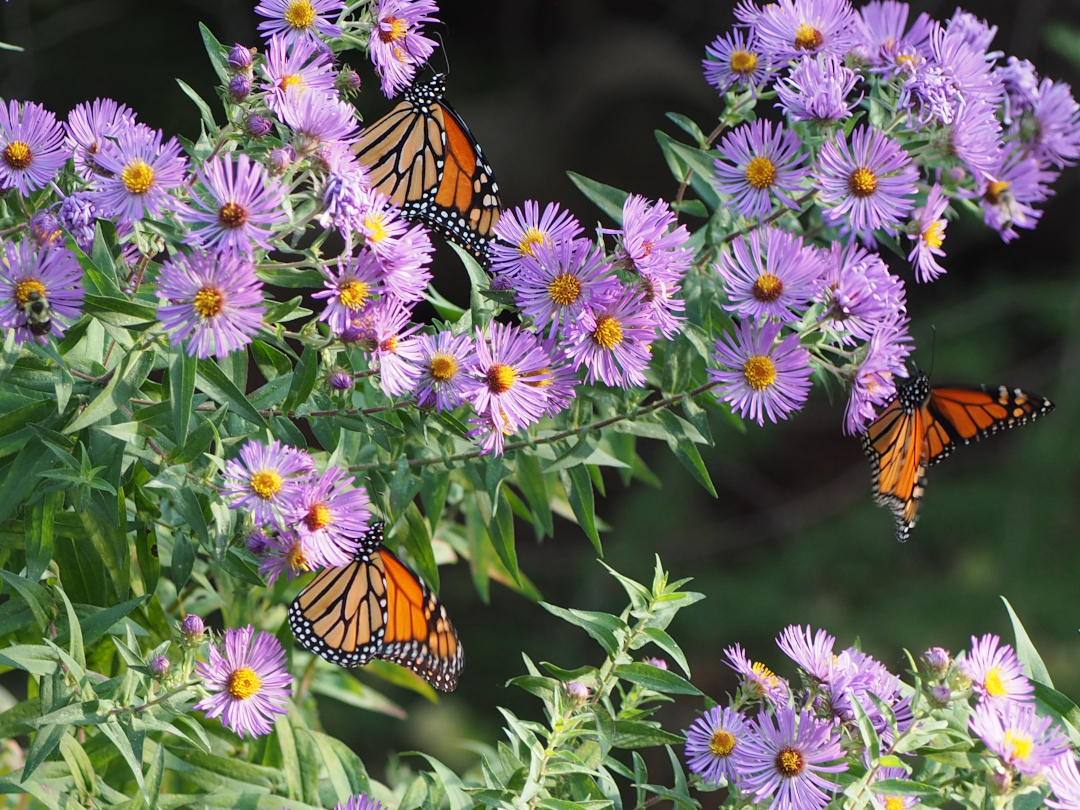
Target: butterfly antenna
{"x":446,"y":56}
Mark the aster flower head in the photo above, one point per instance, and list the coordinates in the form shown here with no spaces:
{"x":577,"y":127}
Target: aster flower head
{"x":960,"y":52}
{"x":929,"y":94}
{"x":900,"y":802}
{"x":317,"y":119}
{"x":818,"y":89}
{"x":1022,"y":739}
{"x":32,"y":148}
{"x":873,"y":382}
{"x":1064,"y":779}
{"x":1021,"y":83}
{"x":297,"y":20}
{"x":856,"y":677}
{"x":385,"y":327}
{"x":867,"y":184}
{"x":32,"y":275}
{"x":1051,"y":134}
{"x":1007,"y":195}
{"x":612,"y":340}
{"x":504,"y":383}
{"x":557,"y":282}
{"x":930,"y":223}
{"x":488,"y":435}
{"x":44,"y":228}
{"x":661,"y":304}
{"x":995,"y":672}
{"x":759,"y":377}
{"x":238,"y":207}
{"x":859,"y":292}
{"x":397,"y":46}
{"x":329,"y":515}
{"x":522,"y":229}
{"x":284,"y":553}
{"x":300,"y":64}
{"x":361,"y":801}
{"x":651,"y":241}
{"x":346,"y":191}
{"x":789,"y":759}
{"x":716,"y":744}
{"x":78,"y":213}
{"x":350,"y":290}
{"x":769,"y":273}
{"x":265,"y":481}
{"x":887,"y":42}
{"x":736,"y":60}
{"x":974,"y":138}
{"x":248,"y":681}
{"x":793,"y":29}
{"x":215,"y":302}
{"x":403,"y":250}
{"x":758,"y":681}
{"x":143,"y":171}
{"x":560,"y":388}
{"x":444,"y":359}
{"x":757,"y":163}
{"x":812,"y":652}
{"x":92,"y":128}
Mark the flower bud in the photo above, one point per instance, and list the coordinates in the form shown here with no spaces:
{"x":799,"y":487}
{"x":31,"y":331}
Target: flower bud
{"x":281,"y":159}
{"x":502,"y":282}
{"x":239,"y":88}
{"x":659,"y":663}
{"x":191,"y":629}
{"x":341,"y":380}
{"x":160,"y":666}
{"x":258,"y":126}
{"x":347,"y":82}
{"x":240,"y":58}
{"x":577,"y":691}
{"x":937,"y":660}
{"x":940,"y":695}
{"x":44,"y":228}
{"x":257,"y":542}
{"x":1001,"y":782}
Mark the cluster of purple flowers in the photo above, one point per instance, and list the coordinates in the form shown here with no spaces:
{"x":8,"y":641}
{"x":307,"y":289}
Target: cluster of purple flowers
{"x":779,"y":745}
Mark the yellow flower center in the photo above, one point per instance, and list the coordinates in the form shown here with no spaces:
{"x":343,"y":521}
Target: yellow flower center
{"x":759,"y":372}
{"x":608,"y":333}
{"x":760,"y":173}
{"x":544,"y":383}
{"x":389,"y":345}
{"x":291,"y":80}
{"x":266,"y":484}
{"x":297,"y":559}
{"x":722,"y":743}
{"x":137,"y":177}
{"x":24,"y":288}
{"x":564,"y":289}
{"x":862,"y":182}
{"x":994,"y":190}
{"x":765,"y":674}
{"x":934,"y":236}
{"x":789,"y":762}
{"x":397,"y":30}
{"x":1020,"y":744}
{"x":743,"y":62}
{"x":244,"y":683}
{"x":17,"y":155}
{"x":375,"y":227}
{"x":994,"y":686}
{"x":300,"y":14}
{"x":531,"y":237}
{"x":318,"y":517}
{"x":892,"y":802}
{"x":807,"y":37}
{"x":353,"y":294}
{"x":767,"y":288}
{"x":904,"y":60}
{"x":233,"y":215}
{"x":443,"y":367}
{"x":500,"y":378}
{"x":208,"y":302}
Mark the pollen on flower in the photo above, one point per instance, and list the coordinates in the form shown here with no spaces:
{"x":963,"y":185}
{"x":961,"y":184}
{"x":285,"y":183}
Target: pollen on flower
{"x":266,"y":484}
{"x":389,"y":344}
{"x":290,"y":80}
{"x":761,"y":172}
{"x":765,"y":674}
{"x":375,"y":227}
{"x":233,"y":215}
{"x":244,"y":683}
{"x":353,"y":294}
{"x":807,"y":37}
{"x":564,"y":289}
{"x":300,"y":14}
{"x":500,"y":378}
{"x":27,"y":286}
{"x":759,"y":372}
{"x":137,"y":177}
{"x":993,"y":684}
{"x":722,"y":743}
{"x":743,"y":62}
{"x":318,"y":516}
{"x":789,"y":762}
{"x":208,"y":302}
{"x":934,"y":236}
{"x":443,"y":367}
{"x":398,"y":28}
{"x":767,"y":288}
{"x":531,"y":238}
{"x":892,"y":802}
{"x":297,"y":559}
{"x":17,"y":155}
{"x":994,"y":191}
{"x":1021,"y":744}
{"x":862,"y":182}
{"x":608,"y":333}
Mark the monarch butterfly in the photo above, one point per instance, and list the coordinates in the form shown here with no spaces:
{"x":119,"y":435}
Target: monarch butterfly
{"x":375,"y":607}
{"x":922,"y":425}
{"x":423,"y":157}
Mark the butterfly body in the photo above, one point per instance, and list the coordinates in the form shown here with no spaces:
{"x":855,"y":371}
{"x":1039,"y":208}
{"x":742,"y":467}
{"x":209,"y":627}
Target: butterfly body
{"x":921,"y":425}
{"x":375,"y":607}
{"x":424,"y":158}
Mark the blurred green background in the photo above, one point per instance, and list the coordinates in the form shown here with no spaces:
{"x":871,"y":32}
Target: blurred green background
{"x":794,"y":537}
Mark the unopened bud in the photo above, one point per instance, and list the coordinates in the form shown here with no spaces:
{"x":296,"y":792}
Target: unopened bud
{"x":259,"y":125}
{"x":347,"y":82}
{"x":160,"y":666}
{"x":1001,"y":782}
{"x":240,"y":58}
{"x":578,"y":691}
{"x":257,"y":542}
{"x":341,"y":381}
{"x":940,"y":695}
{"x":239,"y":87}
{"x":937,"y":660}
{"x":192,"y":629}
{"x":281,"y":159}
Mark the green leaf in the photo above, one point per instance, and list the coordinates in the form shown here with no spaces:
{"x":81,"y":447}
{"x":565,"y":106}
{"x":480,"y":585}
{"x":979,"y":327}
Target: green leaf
{"x":9,"y":355}
{"x":688,"y":126}
{"x":24,"y":475}
{"x":579,"y":492}
{"x":124,"y":385}
{"x":110,"y":546}
{"x":418,"y":542}
{"x":33,"y":594}
{"x":97,"y":624}
{"x":181,"y":393}
{"x":271,"y":362}
{"x":1025,"y":650}
{"x":45,"y":741}
{"x":212,"y":380}
{"x":217,"y":53}
{"x":283,"y":730}
{"x":183,"y":559}
{"x":451,"y":784}
{"x":533,"y":486}
{"x":656,"y":679}
{"x":607,"y":198}
{"x":37,"y":659}
{"x":501,"y":533}
{"x":75,"y":644}
{"x":632,"y":734}
{"x":204,"y":108}
{"x":341,"y":685}
{"x":197,"y":443}
{"x":121,"y":737}
{"x":82,"y":770}
{"x":668,"y":645}
{"x":903,"y":787}
{"x":303,"y":380}
{"x":601,"y":626}
{"x":38,"y":525}
{"x":1060,"y":704}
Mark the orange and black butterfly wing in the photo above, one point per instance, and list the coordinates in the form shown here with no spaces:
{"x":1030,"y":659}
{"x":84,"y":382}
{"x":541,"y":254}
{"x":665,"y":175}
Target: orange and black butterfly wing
{"x":963,"y":415}
{"x":419,"y":634}
{"x":894,"y":444}
{"x":403,"y":153}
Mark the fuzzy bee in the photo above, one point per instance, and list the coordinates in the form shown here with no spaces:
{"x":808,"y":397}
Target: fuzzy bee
{"x":37,"y":312}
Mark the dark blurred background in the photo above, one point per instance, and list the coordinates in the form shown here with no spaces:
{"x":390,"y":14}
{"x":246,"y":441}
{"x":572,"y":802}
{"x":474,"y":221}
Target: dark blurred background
{"x":794,"y":537}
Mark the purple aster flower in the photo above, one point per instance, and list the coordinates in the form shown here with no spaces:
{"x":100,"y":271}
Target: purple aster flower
{"x":249,"y":683}
{"x":928,"y":94}
{"x":873,"y":383}
{"x":44,"y":228}
{"x":1052,"y":133}
{"x":504,"y":381}
{"x":975,"y":138}
{"x":330,"y":514}
{"x":443,"y":361}
{"x":612,"y":340}
{"x":1064,"y":779}
{"x":817,"y":89}
{"x":859,"y":292}
{"x":995,"y":672}
{"x":77,"y":214}
{"x":856,"y":677}
{"x":317,"y":119}
{"x":257,"y":542}
{"x":216,"y":301}
{"x":359,"y":802}
{"x":900,"y":802}
{"x":1021,"y":83}
{"x":759,"y":377}
{"x":489,"y":437}
{"x":279,"y":160}
{"x":1007,"y":194}
{"x":265,"y":481}
{"x":299,"y":19}
{"x":792,"y":29}
{"x":397,"y":46}
{"x":300,"y":64}
{"x":658,"y":295}
{"x":92,"y":128}
{"x":32,"y":148}
{"x":403,"y":251}
{"x":192,"y":628}
{"x":931,"y":224}
{"x":747,"y":13}
{"x":522,"y":229}
{"x":812,"y":652}
{"x":41,"y":290}
{"x":350,"y":291}
{"x":866,"y":185}
{"x":884,"y":40}
{"x":238,"y":207}
{"x":561,"y":387}
{"x":650,"y":241}
{"x":384,"y":327}
{"x":557,"y":282}
{"x":716,"y":745}
{"x":1019,"y":736}
{"x":960,"y":53}
{"x":971,"y":30}
{"x":142,"y":172}
{"x":346,"y":191}
{"x":735,"y":59}
{"x":768,"y":273}
{"x":758,"y":681}
{"x":787,"y":758}
{"x":755,"y":163}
